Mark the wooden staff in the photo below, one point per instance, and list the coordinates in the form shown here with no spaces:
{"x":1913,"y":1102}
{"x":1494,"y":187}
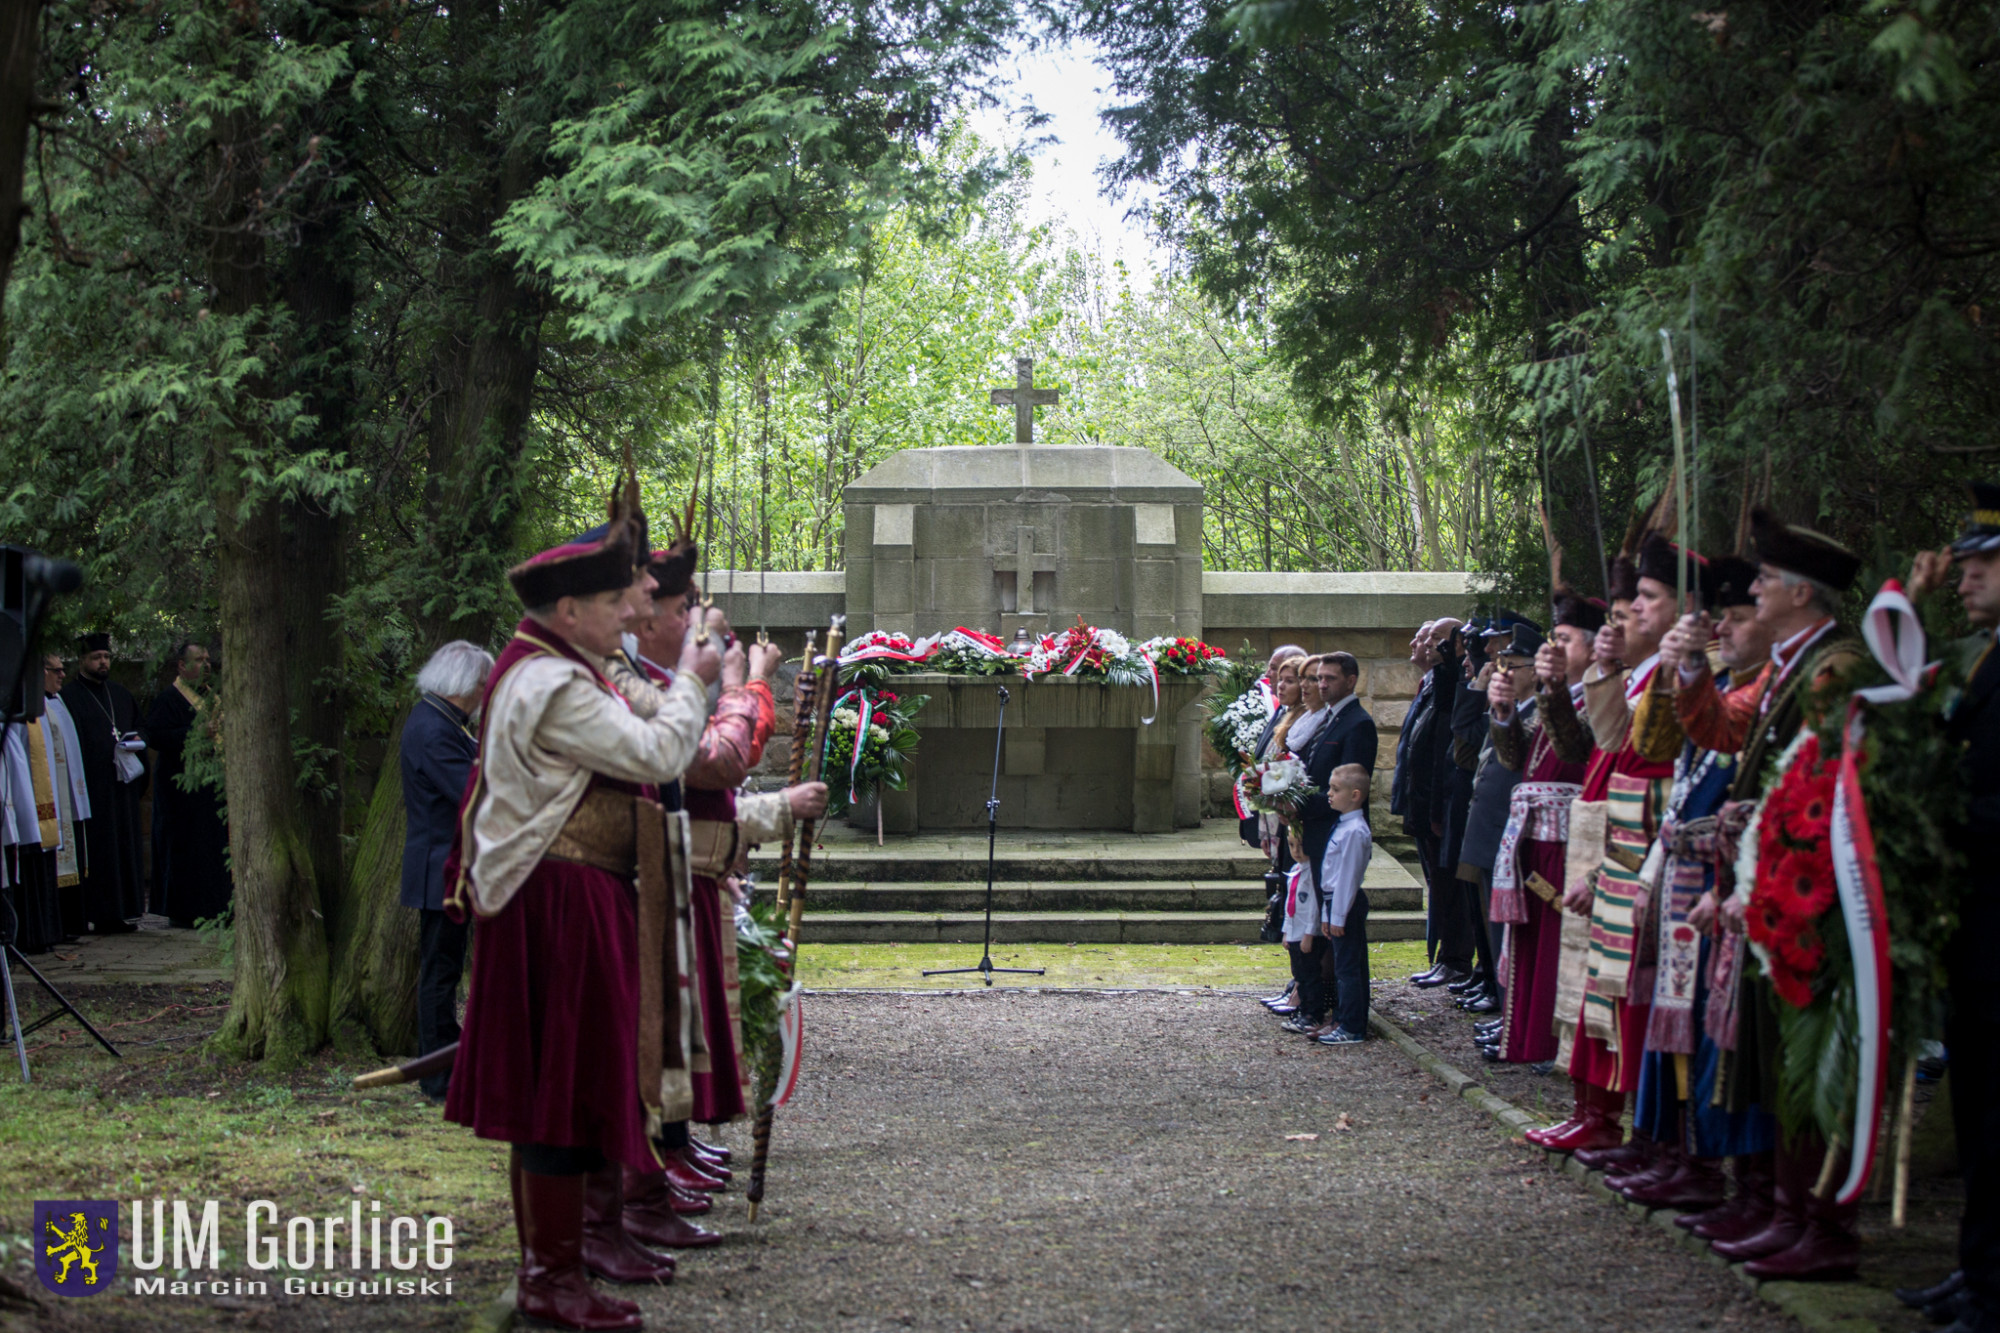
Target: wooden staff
{"x":802,"y":715}
{"x":814,"y":711}
{"x":822,"y":719}
{"x":1899,"y":1211}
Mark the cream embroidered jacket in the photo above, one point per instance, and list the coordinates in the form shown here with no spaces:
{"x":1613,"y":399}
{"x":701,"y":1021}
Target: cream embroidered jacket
{"x":550,"y":726}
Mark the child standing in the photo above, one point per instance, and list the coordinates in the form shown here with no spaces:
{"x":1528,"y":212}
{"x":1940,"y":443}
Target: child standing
{"x":1302,"y":942}
{"x":1343,"y":905}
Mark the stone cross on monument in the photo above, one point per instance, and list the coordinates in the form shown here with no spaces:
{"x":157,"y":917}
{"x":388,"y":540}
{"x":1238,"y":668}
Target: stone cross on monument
{"x":1023,"y":563}
{"x":1024,"y":398}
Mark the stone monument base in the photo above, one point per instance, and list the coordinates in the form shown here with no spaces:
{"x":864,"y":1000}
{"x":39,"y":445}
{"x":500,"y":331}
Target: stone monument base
{"x":1076,"y":755}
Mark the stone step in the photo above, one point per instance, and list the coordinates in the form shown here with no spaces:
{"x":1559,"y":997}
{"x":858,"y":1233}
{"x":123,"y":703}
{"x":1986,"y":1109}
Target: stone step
{"x":1238,"y":896}
{"x":1069,"y":927}
{"x":932,"y":858}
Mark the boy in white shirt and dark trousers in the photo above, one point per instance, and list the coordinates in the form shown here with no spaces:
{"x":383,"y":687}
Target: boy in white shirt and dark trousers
{"x":1343,"y":904}
{"x":1303,"y":943}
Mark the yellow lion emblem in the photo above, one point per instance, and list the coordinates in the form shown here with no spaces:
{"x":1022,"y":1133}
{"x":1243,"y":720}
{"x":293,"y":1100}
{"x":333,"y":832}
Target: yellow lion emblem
{"x":74,"y":1247}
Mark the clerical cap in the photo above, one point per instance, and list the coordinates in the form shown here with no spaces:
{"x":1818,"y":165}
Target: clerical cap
{"x":604,"y":559}
{"x":1584,"y":613}
{"x":95,"y":643}
{"x":1802,"y":551}
{"x":1982,"y":525}
{"x":1726,"y":582}
{"x":1660,"y":560}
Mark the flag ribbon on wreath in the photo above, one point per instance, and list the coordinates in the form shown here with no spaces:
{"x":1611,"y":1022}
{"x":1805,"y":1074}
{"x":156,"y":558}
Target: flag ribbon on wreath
{"x":866,"y":713}
{"x":1896,"y":637}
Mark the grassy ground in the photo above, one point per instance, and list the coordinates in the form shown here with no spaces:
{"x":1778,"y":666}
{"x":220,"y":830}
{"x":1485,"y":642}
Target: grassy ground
{"x":170,"y":1121}
{"x":1089,"y":966}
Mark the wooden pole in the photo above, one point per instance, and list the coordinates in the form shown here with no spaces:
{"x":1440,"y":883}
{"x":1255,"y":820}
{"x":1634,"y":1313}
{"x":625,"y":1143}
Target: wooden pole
{"x":1899,"y":1209}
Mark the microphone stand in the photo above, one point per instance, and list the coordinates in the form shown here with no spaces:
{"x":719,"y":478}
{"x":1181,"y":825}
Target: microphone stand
{"x":986,"y":968}
{"x":37,"y":606}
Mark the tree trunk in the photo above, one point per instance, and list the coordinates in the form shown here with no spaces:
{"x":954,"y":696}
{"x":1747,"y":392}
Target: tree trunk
{"x":375,"y":938}
{"x":483,"y":371}
{"x":278,"y":1007}
{"x":20,"y":46}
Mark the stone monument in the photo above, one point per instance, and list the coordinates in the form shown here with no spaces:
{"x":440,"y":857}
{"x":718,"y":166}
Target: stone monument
{"x":1029,"y":537}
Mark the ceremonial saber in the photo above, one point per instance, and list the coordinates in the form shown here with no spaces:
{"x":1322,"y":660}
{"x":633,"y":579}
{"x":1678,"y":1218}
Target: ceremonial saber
{"x":1680,"y":463}
{"x":1590,"y":479}
{"x":796,"y":869}
{"x":410,"y":1071}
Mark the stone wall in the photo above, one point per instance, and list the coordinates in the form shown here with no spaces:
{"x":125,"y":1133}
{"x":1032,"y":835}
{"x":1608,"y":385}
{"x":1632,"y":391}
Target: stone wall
{"x":1371,"y":615}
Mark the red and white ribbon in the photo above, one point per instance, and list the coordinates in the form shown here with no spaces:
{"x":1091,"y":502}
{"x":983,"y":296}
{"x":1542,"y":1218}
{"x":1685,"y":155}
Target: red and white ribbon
{"x":1895,"y":636}
{"x":791,"y":1033}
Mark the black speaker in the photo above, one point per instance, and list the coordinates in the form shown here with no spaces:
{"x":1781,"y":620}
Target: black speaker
{"x":26,"y":703}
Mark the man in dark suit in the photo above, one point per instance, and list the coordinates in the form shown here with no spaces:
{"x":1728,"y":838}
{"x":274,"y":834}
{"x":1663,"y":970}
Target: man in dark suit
{"x":1972,"y":1034}
{"x":438,"y":747}
{"x":1347,"y":736}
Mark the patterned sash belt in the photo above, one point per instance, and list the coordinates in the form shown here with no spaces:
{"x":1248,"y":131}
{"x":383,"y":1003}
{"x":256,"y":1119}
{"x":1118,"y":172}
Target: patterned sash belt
{"x":1537,"y":812}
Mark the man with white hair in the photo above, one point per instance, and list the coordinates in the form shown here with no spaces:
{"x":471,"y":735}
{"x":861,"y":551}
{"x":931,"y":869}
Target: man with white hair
{"x":437,"y":750}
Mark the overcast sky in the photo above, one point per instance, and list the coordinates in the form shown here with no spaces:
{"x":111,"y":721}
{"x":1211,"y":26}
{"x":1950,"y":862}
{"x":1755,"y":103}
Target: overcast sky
{"x":1068,"y":85}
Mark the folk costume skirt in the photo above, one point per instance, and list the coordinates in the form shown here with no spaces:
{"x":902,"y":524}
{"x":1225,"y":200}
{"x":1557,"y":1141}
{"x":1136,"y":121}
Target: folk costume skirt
{"x":1534,"y":959}
{"x":549,"y":1053}
{"x":718,"y":1089}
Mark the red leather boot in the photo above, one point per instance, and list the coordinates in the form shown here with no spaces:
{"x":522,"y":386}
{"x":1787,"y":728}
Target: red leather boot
{"x":701,"y":1163}
{"x":715,"y":1152}
{"x":1749,"y":1211}
{"x":1640,"y":1159}
{"x":652,"y":1215}
{"x":1544,"y":1136}
{"x":1600,"y":1129}
{"x":1828,"y":1246}
{"x":1788,"y":1218}
{"x":689,"y":1177}
{"x":610,"y":1250}
{"x":1695,"y":1183}
{"x":552,"y":1284}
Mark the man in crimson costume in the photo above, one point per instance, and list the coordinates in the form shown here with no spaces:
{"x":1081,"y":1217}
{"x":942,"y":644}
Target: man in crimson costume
{"x":1528,"y":871}
{"x":573,"y":749}
{"x":723,"y":823}
{"x":1604,"y":996}
{"x":1801,"y":576}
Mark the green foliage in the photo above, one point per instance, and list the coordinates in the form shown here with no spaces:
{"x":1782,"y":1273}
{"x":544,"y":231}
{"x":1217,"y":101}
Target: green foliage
{"x":1502,"y":208}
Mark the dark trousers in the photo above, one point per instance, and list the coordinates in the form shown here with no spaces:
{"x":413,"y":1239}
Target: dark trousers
{"x":1973,"y":1040}
{"x":1449,"y":928}
{"x":1350,"y":968}
{"x":1478,"y":899}
{"x":1311,"y":998}
{"x":441,"y":960}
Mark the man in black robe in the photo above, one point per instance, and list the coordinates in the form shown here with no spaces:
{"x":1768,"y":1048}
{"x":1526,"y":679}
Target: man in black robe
{"x":107,"y":722}
{"x":190,"y":870}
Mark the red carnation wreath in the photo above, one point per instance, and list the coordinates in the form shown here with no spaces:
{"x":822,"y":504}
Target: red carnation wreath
{"x":1795,"y":884}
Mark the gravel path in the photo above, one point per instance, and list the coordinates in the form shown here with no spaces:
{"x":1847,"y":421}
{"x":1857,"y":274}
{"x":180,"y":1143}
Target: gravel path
{"x":1009,"y":1161}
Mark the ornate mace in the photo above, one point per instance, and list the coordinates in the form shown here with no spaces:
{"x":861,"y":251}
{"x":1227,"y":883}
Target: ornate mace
{"x":812,"y":695}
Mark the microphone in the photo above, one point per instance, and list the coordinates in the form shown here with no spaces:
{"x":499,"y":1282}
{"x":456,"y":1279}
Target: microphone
{"x":57,"y":576}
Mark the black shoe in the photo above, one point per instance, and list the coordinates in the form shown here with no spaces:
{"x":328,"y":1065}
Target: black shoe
{"x":1440,"y":976}
{"x":1420,"y":978}
{"x":1489,"y":1028}
{"x":1472,"y":982}
{"x":1491,"y":1054}
{"x":1481,"y":1004}
{"x":1542,"y":1067}
{"x":1918,"y":1297}
{"x":1284,"y":1010}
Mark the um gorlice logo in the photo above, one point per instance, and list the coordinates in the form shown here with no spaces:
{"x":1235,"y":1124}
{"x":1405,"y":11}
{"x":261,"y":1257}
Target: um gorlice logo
{"x":76,"y":1245}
